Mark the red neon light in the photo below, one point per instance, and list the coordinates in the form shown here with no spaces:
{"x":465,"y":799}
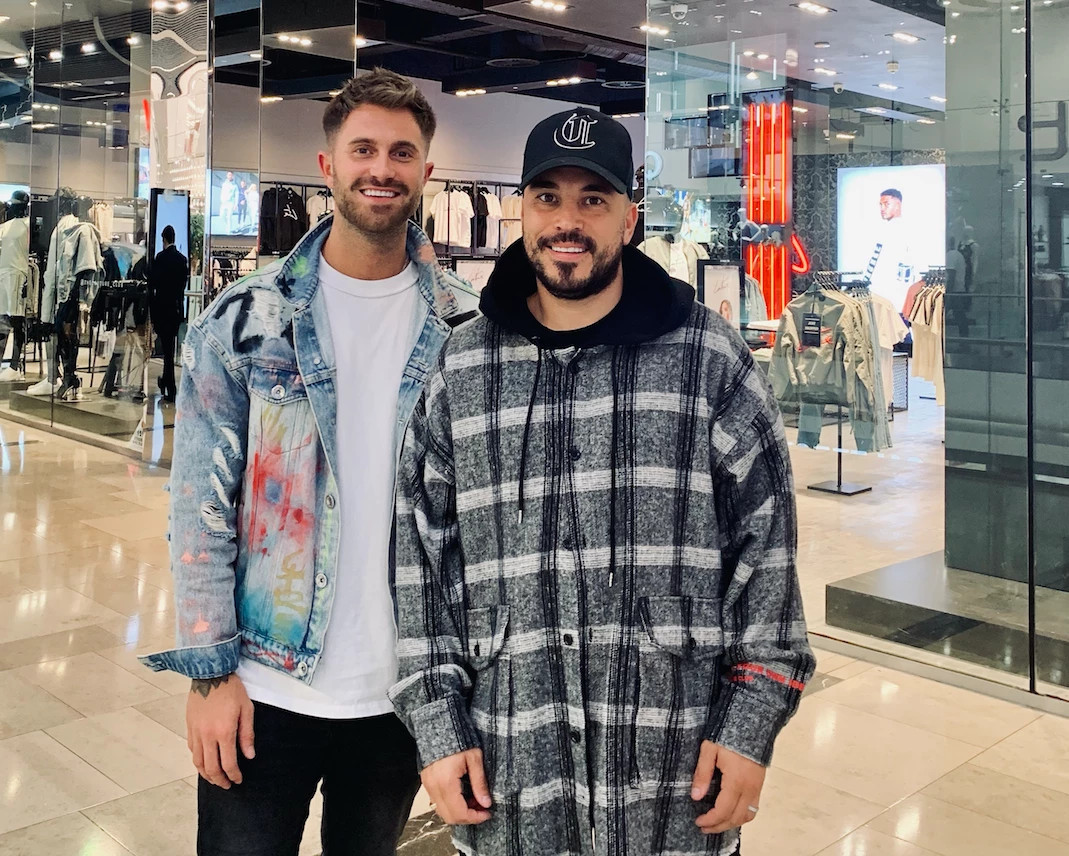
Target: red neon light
{"x":146,"y":110}
{"x":802,"y":265}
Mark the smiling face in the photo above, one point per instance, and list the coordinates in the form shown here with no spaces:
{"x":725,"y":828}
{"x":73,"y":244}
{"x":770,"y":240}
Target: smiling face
{"x":377,"y":168}
{"x":575,"y":226}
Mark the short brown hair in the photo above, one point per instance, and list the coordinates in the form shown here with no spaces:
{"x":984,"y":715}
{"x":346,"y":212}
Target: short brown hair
{"x":382,"y":88}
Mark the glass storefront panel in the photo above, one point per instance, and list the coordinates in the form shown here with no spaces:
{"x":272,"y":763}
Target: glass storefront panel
{"x":875,"y":247}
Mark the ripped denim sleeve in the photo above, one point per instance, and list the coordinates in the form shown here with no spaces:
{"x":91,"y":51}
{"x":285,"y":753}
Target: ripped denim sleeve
{"x":211,"y":430}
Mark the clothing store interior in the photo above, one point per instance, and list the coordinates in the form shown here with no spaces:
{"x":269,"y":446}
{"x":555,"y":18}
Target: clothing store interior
{"x":838,"y":183}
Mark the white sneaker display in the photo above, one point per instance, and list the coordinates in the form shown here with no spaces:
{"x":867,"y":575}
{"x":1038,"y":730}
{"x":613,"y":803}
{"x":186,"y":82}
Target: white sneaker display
{"x":42,"y":387}
{"x":8,"y":374}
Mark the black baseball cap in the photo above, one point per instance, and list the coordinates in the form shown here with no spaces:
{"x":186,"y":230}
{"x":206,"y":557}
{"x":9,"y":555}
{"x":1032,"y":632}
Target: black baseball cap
{"x":582,"y":138}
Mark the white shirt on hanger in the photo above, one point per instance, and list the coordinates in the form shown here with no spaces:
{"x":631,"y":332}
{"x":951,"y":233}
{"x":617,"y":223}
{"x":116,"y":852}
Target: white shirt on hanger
{"x":453,"y":212}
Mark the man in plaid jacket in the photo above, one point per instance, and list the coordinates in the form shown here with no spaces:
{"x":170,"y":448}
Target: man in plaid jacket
{"x":600,"y":626}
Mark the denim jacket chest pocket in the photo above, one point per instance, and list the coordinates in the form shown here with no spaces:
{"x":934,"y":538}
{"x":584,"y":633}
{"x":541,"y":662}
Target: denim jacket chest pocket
{"x":281,"y":414}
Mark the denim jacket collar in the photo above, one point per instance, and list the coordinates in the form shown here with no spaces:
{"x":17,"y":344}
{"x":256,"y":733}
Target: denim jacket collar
{"x":298,"y":278}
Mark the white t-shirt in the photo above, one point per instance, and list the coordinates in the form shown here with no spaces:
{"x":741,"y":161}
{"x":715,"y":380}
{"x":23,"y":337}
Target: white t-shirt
{"x":896,"y":268}
{"x":453,"y":211}
{"x":372,"y":327}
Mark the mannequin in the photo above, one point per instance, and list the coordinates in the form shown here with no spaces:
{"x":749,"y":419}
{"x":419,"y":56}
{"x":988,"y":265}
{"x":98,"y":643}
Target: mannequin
{"x":676,"y":255}
{"x":14,"y":278}
{"x":971,"y":251}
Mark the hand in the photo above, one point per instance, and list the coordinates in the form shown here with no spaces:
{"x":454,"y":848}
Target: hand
{"x":741,"y":784}
{"x":218,"y":716}
{"x":442,"y":781}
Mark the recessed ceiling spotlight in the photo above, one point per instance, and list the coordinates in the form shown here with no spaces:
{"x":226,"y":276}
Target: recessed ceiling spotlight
{"x":270,"y":99}
{"x":819,"y":60}
{"x":844,"y":136}
{"x":1057,"y":184}
{"x":938,"y":99}
{"x":753,"y":75}
{"x":654,"y":29}
{"x":762,"y":56}
{"x":890,"y":87}
{"x":1048,"y":175}
{"x":926,"y":121}
{"x":160,"y":5}
{"x":55,"y":55}
{"x":306,"y":43}
{"x":255,"y":55}
{"x":813,"y":8}
{"x":22,"y":61}
{"x":133,"y":39}
{"x":829,"y":72}
{"x":4,"y":19}
{"x":89,"y":47}
{"x":955,"y":14}
{"x":877,"y":111}
{"x":181,"y":6}
{"x":748,"y":53}
{"x":908,"y":38}
{"x":822,"y":45}
{"x":548,"y":5}
{"x":360,"y":41}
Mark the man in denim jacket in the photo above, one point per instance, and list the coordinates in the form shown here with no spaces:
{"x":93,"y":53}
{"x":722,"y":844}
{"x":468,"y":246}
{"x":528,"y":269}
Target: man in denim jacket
{"x":297,"y":386}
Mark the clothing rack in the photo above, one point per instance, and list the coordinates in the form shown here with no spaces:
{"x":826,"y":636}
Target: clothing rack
{"x":833,"y":280}
{"x":473,"y":187}
{"x":304,"y":191}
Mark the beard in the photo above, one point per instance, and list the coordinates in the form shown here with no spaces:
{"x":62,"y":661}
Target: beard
{"x":560,"y":279}
{"x":348,"y":205}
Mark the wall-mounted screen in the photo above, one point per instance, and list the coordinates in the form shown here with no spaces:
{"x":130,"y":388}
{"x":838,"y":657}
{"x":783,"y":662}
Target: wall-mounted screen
{"x":235,"y":203}
{"x":169,"y":208}
{"x":686,"y":133}
{"x":720,"y":288}
{"x":719,"y":162}
{"x":892,"y":225}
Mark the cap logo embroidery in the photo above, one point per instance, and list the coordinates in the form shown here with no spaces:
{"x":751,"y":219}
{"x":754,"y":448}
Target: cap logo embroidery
{"x":575,"y":133}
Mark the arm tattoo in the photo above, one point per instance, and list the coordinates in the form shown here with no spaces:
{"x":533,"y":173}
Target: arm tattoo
{"x":206,"y":686}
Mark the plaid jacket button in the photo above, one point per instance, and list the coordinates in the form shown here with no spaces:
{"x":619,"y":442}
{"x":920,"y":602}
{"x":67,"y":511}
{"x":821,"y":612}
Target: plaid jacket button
{"x":569,"y":640}
{"x":575,"y":453}
{"x":577,"y":736}
{"x":330,"y":501}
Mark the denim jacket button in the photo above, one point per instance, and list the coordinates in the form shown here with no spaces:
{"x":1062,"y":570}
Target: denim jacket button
{"x":317,"y":361}
{"x":321,"y":581}
{"x":330,"y":501}
{"x":278,"y":391}
{"x":302,"y":669}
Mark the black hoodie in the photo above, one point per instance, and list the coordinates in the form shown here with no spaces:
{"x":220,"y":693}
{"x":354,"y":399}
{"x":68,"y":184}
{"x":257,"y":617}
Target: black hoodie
{"x":652,"y":304}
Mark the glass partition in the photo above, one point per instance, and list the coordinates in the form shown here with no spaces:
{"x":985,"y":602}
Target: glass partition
{"x":850,"y":187}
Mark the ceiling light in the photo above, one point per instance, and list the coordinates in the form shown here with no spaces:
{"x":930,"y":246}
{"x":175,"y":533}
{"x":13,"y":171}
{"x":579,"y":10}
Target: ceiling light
{"x":908,"y":38}
{"x":1015,"y":8}
{"x":822,"y":45}
{"x":800,"y":109}
{"x":762,"y":56}
{"x":4,"y":19}
{"x":890,"y":87}
{"x":270,"y":99}
{"x":160,"y":5}
{"x":813,"y":8}
{"x":828,"y":72}
{"x":878,"y":111}
{"x":334,"y":92}
{"x":938,"y":99}
{"x":1057,"y":184}
{"x":654,"y":29}
{"x":181,"y":6}
{"x":926,"y":121}
{"x":548,"y":5}
{"x":89,"y":47}
{"x":552,"y":83}
{"x":306,"y":43}
{"x":844,"y":136}
{"x":574,"y":80}
{"x":464,"y":93}
{"x":955,"y":14}
{"x":55,"y":55}
{"x":256,"y":55}
{"x":753,"y":75}
{"x":40,"y":126}
{"x":1048,"y":175}
{"x":133,"y":40}
{"x":22,"y":61}
{"x":360,"y":41}
{"x":748,"y":53}
{"x":946,"y":2}
{"x":819,"y":60}
{"x":283,"y":37}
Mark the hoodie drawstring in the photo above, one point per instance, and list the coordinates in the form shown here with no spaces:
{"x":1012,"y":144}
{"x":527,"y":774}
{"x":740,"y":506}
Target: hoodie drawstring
{"x":612,"y":469}
{"x":527,"y":430}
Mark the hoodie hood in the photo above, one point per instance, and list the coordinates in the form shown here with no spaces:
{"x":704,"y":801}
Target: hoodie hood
{"x":652,"y":304}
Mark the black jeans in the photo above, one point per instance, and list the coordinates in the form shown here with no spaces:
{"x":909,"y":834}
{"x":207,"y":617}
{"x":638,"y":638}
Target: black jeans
{"x":369,"y":772}
{"x":168,"y":343}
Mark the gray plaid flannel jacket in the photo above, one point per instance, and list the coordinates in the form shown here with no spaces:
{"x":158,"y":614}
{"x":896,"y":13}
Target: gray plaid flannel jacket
{"x":646,"y":601}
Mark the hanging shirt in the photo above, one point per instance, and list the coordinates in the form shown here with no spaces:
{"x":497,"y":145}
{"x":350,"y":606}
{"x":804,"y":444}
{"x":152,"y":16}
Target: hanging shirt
{"x":453,"y":212}
{"x":319,"y":206}
{"x":677,"y":263}
{"x":511,"y":214}
{"x":372,"y":330}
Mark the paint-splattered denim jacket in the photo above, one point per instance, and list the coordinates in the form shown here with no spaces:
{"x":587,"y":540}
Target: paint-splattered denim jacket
{"x":255,"y":515}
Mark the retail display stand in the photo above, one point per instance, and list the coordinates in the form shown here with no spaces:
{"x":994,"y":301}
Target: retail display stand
{"x":839,"y":487}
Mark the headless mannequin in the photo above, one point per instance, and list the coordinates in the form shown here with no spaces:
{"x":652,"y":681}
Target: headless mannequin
{"x":13,"y":279}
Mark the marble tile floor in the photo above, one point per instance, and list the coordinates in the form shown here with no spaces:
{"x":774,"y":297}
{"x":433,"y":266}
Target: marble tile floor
{"x":92,"y":748}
